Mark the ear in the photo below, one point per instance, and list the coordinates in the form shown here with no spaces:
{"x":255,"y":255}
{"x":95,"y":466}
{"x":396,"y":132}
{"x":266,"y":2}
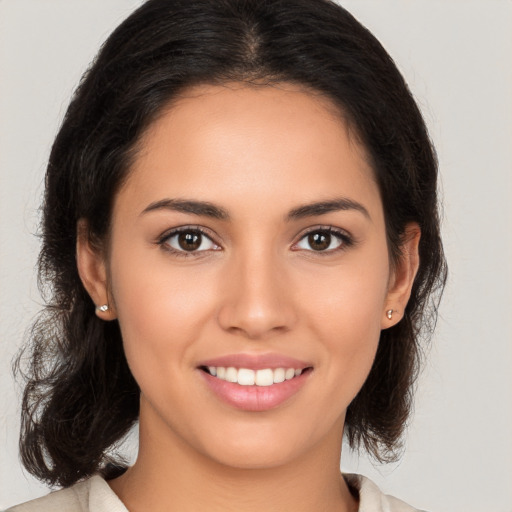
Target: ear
{"x":402,"y":277}
{"x":92,"y":270}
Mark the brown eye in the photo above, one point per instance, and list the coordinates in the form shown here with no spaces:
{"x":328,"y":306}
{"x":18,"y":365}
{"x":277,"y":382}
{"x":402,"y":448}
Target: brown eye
{"x":324,"y":240}
{"x":319,"y":241}
{"x":189,"y":241}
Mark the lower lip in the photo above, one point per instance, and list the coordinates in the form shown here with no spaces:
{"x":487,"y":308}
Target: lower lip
{"x":255,"y":398}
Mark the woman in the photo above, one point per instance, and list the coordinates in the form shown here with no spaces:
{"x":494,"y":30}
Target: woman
{"x":241,"y":237}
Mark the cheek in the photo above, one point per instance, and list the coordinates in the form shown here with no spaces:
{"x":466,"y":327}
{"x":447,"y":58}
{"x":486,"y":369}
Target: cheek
{"x":347,"y":320}
{"x":349,"y":298}
{"x":161,"y":311}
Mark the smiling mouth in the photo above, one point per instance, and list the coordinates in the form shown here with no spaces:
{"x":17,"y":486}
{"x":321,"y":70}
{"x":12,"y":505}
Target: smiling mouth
{"x":247,"y":377}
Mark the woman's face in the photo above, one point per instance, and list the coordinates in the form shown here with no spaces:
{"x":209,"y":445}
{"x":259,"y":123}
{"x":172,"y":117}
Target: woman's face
{"x":249,"y":235}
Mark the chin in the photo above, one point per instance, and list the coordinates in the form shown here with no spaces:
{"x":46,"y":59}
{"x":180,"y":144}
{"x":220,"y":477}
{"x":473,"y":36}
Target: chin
{"x":253,"y":457}
{"x":258,"y":445}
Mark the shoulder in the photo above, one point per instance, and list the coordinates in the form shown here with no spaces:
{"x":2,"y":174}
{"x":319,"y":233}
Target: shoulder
{"x":71,"y":499}
{"x":372,"y":499}
{"x":93,"y":494}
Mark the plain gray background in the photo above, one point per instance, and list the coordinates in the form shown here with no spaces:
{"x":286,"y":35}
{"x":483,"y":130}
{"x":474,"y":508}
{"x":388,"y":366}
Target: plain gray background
{"x":456,"y":56}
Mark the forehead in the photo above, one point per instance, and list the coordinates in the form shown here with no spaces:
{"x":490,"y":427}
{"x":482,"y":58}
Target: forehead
{"x":236,"y":140}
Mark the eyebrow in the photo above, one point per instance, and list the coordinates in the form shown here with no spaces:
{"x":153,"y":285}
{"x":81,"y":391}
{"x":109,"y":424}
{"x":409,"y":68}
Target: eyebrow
{"x":202,"y":208}
{"x":323,"y":207}
{"x":207,"y":209}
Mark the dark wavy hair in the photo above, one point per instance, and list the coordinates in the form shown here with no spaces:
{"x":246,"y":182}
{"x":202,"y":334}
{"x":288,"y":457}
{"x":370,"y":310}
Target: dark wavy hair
{"x":80,"y":398}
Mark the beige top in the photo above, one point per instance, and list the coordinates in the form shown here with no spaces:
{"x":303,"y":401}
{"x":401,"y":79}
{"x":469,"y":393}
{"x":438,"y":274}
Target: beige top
{"x":95,"y":495}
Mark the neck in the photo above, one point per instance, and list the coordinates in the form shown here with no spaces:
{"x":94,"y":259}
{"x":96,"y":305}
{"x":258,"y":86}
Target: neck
{"x":173,"y":476}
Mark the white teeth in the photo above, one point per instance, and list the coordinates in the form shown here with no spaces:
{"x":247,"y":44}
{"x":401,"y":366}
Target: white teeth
{"x":231,"y":374}
{"x":264,"y":377}
{"x":247,"y":377}
{"x":279,"y":375}
{"x":290,"y":373}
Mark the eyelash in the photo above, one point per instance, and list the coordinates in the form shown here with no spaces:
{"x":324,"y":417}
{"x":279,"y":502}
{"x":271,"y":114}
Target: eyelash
{"x":346,"y":240}
{"x":164,"y":239}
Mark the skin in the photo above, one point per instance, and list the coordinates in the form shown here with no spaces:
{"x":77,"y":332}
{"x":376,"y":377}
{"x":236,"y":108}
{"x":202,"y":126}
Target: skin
{"x":258,"y":287}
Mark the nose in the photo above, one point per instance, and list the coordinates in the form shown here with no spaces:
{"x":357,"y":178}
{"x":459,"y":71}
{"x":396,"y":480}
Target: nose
{"x":257,"y":299}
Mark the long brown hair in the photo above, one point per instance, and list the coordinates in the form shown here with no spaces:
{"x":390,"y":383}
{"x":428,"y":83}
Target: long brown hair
{"x":80,"y":397}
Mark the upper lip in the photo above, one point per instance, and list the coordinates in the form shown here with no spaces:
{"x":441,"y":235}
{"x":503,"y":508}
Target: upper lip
{"x":256,"y":361}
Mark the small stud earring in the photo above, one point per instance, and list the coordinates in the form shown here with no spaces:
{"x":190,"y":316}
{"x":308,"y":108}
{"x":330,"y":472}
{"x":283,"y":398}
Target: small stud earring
{"x":389,"y":313}
{"x":102,"y":308}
